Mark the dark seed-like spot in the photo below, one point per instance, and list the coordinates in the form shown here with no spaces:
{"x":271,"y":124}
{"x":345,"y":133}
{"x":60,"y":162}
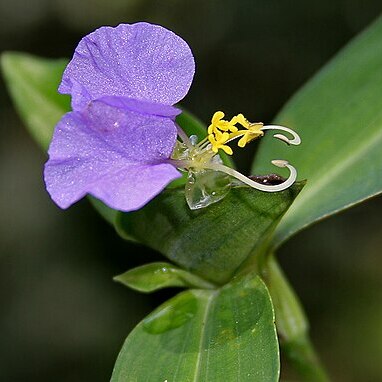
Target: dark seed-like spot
{"x":271,"y":179}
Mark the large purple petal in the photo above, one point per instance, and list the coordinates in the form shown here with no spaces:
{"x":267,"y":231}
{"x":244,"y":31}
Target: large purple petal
{"x":117,"y":156}
{"x":142,"y":61}
{"x":144,"y":107}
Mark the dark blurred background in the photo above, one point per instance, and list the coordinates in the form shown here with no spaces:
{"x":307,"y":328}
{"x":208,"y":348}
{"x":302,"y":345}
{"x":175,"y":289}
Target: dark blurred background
{"x":62,"y":317}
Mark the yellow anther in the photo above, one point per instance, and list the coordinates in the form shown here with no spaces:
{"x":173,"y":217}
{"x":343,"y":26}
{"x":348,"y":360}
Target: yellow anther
{"x":253,"y":131}
{"x":243,"y":121}
{"x":221,"y":131}
{"x":218,"y":140}
{"x":217,"y":117}
{"x":218,"y":123}
{"x":231,"y":125}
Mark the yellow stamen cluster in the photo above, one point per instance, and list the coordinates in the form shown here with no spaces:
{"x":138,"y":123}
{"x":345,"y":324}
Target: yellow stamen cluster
{"x":221,"y":131}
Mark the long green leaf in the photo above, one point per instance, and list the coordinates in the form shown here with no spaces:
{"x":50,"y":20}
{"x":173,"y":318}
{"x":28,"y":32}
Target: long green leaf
{"x":339,"y":117}
{"x":226,"y":335}
{"x":210,"y":242}
{"x":33,"y":84}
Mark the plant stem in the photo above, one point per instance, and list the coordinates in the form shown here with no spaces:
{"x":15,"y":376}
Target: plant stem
{"x":292,"y":326}
{"x":302,"y":356}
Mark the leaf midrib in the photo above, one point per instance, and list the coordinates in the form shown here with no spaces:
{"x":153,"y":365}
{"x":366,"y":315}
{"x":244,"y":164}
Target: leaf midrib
{"x":208,"y":305}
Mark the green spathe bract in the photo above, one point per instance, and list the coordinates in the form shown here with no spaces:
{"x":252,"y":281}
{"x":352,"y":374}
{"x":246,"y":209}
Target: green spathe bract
{"x":211,"y":242}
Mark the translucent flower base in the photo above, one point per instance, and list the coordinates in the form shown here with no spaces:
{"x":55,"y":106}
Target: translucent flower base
{"x":205,"y":187}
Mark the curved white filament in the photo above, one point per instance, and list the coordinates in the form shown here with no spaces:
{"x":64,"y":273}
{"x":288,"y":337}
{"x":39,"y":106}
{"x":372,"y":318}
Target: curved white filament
{"x":258,"y":186}
{"x":296,"y":138}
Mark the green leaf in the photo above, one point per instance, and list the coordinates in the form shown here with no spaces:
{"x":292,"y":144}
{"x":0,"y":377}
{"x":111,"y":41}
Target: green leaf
{"x":33,"y":84}
{"x":339,"y":117}
{"x":106,"y":212}
{"x":191,"y":124}
{"x":154,"y":276}
{"x":210,"y":242}
{"x":205,"y":335}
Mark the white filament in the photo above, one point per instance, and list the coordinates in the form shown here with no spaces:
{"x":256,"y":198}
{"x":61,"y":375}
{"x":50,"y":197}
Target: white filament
{"x":258,"y":186}
{"x":296,"y":138}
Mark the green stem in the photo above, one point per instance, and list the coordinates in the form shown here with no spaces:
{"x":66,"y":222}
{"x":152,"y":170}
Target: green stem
{"x":292,"y":326}
{"x":302,"y":356}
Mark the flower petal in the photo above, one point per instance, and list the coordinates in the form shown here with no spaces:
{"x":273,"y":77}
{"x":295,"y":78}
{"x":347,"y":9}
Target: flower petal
{"x":116,"y":155}
{"x":142,"y":61}
{"x":144,"y":107}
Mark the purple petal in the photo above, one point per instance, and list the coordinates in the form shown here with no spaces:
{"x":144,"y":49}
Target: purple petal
{"x":118,"y":156}
{"x":144,"y":107}
{"x":142,"y":61}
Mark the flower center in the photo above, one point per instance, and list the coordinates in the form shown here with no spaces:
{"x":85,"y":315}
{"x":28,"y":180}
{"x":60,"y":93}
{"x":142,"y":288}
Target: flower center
{"x":203,"y":163}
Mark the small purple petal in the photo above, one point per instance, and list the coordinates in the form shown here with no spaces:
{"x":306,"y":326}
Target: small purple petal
{"x":142,"y":61}
{"x":116,"y":155}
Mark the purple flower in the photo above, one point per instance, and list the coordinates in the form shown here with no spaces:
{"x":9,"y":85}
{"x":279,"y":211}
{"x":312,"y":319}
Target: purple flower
{"x":116,"y":143}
